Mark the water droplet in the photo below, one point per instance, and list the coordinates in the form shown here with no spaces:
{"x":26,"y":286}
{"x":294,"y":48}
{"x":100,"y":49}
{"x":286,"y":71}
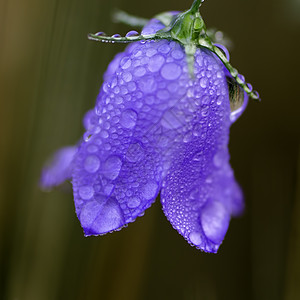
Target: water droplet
{"x":126,"y":76}
{"x":86,"y":192}
{"x":177,"y":54}
{"x":100,"y":33}
{"x":99,"y":218}
{"x":116,"y":35}
{"x":150,"y":52}
{"x":249,"y":86}
{"x":149,"y":190}
{"x":241,"y":78}
{"x":173,"y":87}
{"x":206,"y":100}
{"x":219,"y":74}
{"x":125,"y":63}
{"x":104,"y":134}
{"x":92,"y":148}
{"x":218,"y":159}
{"x":162,"y":94}
{"x":112,"y":167}
{"x":209,"y":180}
{"x":164,"y":48}
{"x":203,"y":82}
{"x":195,"y":238}
{"x":107,"y":146}
{"x":256,"y":94}
{"x":116,"y":90}
{"x":187,"y":137}
{"x":170,"y":71}
{"x":194,"y":194}
{"x":131,"y":86}
{"x":234,"y":72}
{"x":139,"y":72}
{"x":224,"y":50}
{"x":92,"y":163}
{"x":197,"y":129}
{"x":205,"y":111}
{"x":128,"y":118}
{"x":149,"y":100}
{"x":198,"y":156}
{"x":147,"y":84}
{"x":132,"y":33}
{"x":214,"y":221}
{"x":155,"y":63}
{"x":133,"y":202}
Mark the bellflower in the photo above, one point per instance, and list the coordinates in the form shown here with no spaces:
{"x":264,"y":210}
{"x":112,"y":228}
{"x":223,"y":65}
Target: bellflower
{"x":160,"y":125}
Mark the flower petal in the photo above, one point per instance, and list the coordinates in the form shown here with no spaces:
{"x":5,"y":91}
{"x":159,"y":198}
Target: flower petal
{"x":112,"y":188}
{"x":59,"y":168}
{"x":199,"y":193}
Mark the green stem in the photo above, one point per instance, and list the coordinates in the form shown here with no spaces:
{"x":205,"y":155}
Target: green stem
{"x":195,"y":6}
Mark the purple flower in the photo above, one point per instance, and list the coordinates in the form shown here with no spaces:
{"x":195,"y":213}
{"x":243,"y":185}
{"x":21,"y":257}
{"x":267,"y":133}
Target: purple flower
{"x":155,"y":129}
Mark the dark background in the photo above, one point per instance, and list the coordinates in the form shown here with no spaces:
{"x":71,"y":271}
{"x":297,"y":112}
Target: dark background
{"x":50,"y":75}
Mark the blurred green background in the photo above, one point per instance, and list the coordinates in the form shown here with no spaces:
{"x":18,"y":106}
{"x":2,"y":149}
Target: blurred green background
{"x":50,"y":75}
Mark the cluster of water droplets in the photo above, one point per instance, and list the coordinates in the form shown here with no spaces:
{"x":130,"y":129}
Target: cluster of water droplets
{"x":117,"y":38}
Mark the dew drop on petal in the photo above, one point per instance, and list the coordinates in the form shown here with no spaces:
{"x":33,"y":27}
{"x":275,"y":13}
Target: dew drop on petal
{"x":126,"y":76}
{"x":112,"y":167}
{"x":131,"y":86}
{"x":128,"y":118}
{"x":187,"y":137}
{"x":147,"y":85}
{"x":219,"y":100}
{"x":215,"y":220}
{"x":203,"y":82}
{"x":101,"y":218}
{"x":164,"y":48}
{"x":86,"y":192}
{"x":155,"y":63}
{"x":133,"y":202}
{"x":92,"y":148}
{"x":139,"y":72}
{"x":170,"y":71}
{"x":91,"y":163}
{"x":150,"y":52}
{"x":198,"y":156}
{"x":218,"y":159}
{"x":177,"y":54}
{"x":149,"y":190}
{"x":89,"y":213}
{"x":104,"y":134}
{"x":195,"y":238}
{"x":197,"y":129}
{"x":125,"y":63}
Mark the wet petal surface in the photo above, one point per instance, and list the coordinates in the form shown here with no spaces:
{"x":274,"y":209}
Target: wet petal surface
{"x":154,"y":128}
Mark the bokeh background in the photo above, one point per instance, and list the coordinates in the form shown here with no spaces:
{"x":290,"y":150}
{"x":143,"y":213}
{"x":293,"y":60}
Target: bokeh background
{"x":50,"y":75}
